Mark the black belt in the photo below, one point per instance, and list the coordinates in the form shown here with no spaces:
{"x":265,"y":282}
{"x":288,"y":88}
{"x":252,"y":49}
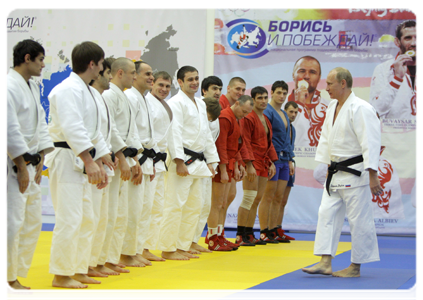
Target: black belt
{"x":342,"y":166}
{"x":65,"y":145}
{"x":194,"y":156}
{"x":33,"y":159}
{"x":161,"y":156}
{"x":131,"y":152}
{"x":147,"y":153}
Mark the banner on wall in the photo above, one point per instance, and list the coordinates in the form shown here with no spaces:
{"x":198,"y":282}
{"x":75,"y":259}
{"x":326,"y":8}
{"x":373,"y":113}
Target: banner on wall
{"x":263,"y":46}
{"x":162,"y":38}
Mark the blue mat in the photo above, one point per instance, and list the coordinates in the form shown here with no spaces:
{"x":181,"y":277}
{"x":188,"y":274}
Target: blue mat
{"x":395,"y":270}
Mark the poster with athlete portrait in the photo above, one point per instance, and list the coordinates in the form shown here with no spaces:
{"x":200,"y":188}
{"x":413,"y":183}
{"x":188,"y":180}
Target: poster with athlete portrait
{"x":301,"y":46}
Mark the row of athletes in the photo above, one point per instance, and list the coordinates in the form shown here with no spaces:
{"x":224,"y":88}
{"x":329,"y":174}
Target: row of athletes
{"x":109,"y":146}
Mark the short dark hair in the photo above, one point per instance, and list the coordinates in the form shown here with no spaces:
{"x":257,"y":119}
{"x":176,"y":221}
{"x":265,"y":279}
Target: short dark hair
{"x":258,"y":90}
{"x":290,"y":103}
{"x":138,"y":64}
{"x":162,"y":74}
{"x":83,"y":54}
{"x":235,"y":79}
{"x":244,"y":98}
{"x":182,"y":71}
{"x":279,"y":84}
{"x":309,"y":57}
{"x":209,"y":81}
{"x":342,"y":73}
{"x":106,"y":65}
{"x":213,"y":107}
{"x":401,"y":26}
{"x":25,"y":47}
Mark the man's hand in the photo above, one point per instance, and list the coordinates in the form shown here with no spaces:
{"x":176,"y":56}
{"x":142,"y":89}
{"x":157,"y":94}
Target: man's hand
{"x":136,"y":173}
{"x":374,"y":183}
{"x":301,"y":94}
{"x":251,"y":172}
{"x":22,"y":174}
{"x":242,"y":172}
{"x":272,"y":170}
{"x":105,"y":179}
{"x":107,"y":160}
{"x":400,"y":65}
{"x":237,"y":172}
{"x":39,"y":169}
{"x":224,"y":177}
{"x":91,"y":168}
{"x":291,"y":168}
{"x":125,"y":171}
{"x":154,"y":174}
{"x":181,"y":168}
{"x":210,"y":166}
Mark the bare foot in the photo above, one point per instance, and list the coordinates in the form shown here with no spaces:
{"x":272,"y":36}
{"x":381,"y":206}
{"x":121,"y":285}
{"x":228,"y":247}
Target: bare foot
{"x":320,"y":268}
{"x":174,"y":256}
{"x":83,"y":278}
{"x":185,"y":253}
{"x":195,"y":246}
{"x":150,"y":256}
{"x":67,"y":282}
{"x":130,"y":261}
{"x":104,"y":270}
{"x":193,"y":251}
{"x":14,"y":287}
{"x":352,"y":271}
{"x":94,"y":273}
{"x":143,"y":260}
{"x":116,"y":268}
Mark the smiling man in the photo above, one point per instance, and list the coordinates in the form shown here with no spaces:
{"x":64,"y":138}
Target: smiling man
{"x":192,"y":152}
{"x":393,"y":90}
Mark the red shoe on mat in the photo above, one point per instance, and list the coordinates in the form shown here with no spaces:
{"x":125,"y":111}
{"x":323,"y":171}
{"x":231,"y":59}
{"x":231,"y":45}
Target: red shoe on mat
{"x":228,"y":243}
{"x":268,"y":238}
{"x":242,"y":240}
{"x":282,"y":234}
{"x":215,"y":244}
{"x":253,"y":240}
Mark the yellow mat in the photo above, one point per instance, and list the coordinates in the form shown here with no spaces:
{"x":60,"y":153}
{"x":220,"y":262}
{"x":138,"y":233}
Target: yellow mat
{"x":236,"y":270}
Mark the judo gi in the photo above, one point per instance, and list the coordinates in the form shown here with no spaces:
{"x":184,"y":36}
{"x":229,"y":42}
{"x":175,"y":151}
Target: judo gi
{"x":101,"y":197}
{"x":258,"y":146}
{"x":161,"y":120}
{"x":26,"y":133}
{"x":124,"y":117}
{"x":392,"y":97}
{"x":140,"y":199}
{"x":355,"y":132}
{"x":76,"y":120}
{"x":184,"y":194}
{"x":309,"y":125}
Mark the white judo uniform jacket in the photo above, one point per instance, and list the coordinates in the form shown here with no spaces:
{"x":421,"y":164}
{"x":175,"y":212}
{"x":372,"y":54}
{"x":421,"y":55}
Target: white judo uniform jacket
{"x":393,"y":98}
{"x":26,"y":133}
{"x":190,"y":129}
{"x":355,"y":132}
{"x":143,"y":120}
{"x":161,"y":120}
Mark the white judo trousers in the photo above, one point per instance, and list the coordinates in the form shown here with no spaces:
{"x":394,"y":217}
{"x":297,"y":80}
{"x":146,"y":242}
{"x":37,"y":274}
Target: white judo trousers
{"x":71,"y":195}
{"x":182,"y":206}
{"x":157,"y":192}
{"x":23,"y":223}
{"x":145,"y":219}
{"x":357,"y":202}
{"x":205,"y":208}
{"x":100,"y":210}
{"x":135,"y":209}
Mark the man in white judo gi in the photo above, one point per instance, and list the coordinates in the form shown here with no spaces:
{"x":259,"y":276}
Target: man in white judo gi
{"x":139,"y":195}
{"x":350,"y":145}
{"x":74,"y":165}
{"x":101,"y":196}
{"x":393,"y":89}
{"x":122,"y":253}
{"x":27,"y":143}
{"x":161,"y":119}
{"x":192,"y":151}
